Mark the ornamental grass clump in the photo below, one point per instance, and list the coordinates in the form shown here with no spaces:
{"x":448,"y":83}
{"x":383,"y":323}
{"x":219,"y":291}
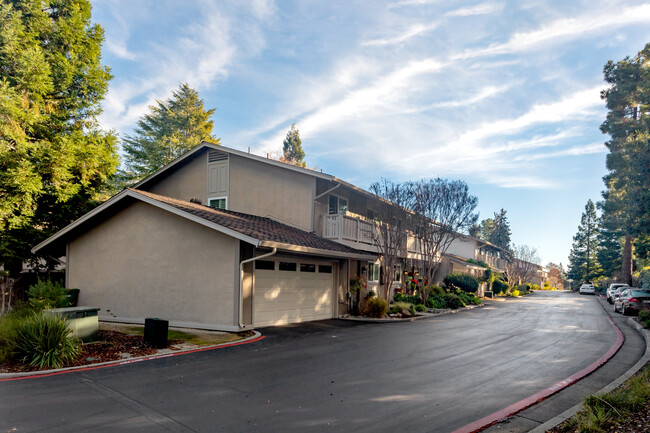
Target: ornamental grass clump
{"x":44,"y":341}
{"x":376,"y":308}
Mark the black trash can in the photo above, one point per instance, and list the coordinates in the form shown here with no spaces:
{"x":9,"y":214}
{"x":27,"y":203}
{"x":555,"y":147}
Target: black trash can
{"x":155,"y":332}
{"x":73,"y":297}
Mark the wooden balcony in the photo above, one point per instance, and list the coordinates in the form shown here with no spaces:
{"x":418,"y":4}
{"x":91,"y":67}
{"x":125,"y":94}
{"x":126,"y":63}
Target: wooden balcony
{"x":494,"y":262}
{"x":347,"y":228}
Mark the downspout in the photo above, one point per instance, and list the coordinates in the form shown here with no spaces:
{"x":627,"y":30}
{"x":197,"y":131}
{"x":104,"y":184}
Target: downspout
{"x":241,"y":282}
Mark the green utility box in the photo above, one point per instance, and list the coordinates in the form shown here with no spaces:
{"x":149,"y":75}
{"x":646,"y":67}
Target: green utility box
{"x":83,"y":321}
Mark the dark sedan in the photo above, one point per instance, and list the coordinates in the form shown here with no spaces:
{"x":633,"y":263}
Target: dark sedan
{"x":632,"y":300}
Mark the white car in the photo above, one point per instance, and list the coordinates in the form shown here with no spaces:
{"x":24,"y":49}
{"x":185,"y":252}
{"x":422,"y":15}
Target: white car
{"x":587,"y":289}
{"x":615,"y":289}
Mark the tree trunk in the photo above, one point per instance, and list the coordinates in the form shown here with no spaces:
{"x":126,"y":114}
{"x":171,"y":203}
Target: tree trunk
{"x":626,"y":268}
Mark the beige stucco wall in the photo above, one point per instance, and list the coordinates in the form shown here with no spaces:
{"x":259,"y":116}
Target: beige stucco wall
{"x":265,"y":190}
{"x":146,"y":262}
{"x":463,"y":247}
{"x":185,"y":181}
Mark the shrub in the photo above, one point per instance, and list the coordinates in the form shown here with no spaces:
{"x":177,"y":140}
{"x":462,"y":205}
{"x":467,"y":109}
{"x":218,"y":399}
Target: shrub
{"x":376,"y":307}
{"x":436,"y":302}
{"x":499,"y":286}
{"x":420,"y":308}
{"x":397,"y":307}
{"x":515,"y":293}
{"x":453,"y":301}
{"x":464,"y":282}
{"x":45,"y":341}
{"x":47,"y":294}
{"x":536,"y":287}
{"x":644,"y":277}
{"x":410,"y":299}
{"x":436,"y":290}
{"x":8,"y":324}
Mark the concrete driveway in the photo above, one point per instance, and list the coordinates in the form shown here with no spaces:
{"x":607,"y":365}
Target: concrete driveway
{"x":431,"y":375}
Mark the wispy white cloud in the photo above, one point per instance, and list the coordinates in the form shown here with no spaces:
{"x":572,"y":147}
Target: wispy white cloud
{"x":572,"y":151}
{"x":382,"y":92}
{"x":480,"y":9}
{"x":411,"y":3}
{"x":484,"y":93}
{"x":563,"y":29}
{"x":199,"y":53}
{"x":410,"y":33}
{"x":580,"y":104}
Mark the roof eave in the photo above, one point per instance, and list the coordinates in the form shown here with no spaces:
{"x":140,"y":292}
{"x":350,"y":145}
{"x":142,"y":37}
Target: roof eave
{"x":317,"y":251}
{"x":231,"y":151}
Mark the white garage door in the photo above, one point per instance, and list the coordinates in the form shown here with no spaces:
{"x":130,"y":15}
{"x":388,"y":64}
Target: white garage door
{"x":292,"y":291}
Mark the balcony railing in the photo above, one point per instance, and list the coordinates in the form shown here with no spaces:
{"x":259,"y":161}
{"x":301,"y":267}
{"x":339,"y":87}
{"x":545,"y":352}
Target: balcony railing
{"x":344,"y":227}
{"x":494,"y":262}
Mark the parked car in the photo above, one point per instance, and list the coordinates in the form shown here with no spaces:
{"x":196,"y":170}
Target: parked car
{"x":612,"y":288}
{"x":632,"y":300}
{"x":587,"y":289}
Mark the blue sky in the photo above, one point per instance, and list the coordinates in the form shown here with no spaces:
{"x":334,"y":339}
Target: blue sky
{"x":503,"y":95}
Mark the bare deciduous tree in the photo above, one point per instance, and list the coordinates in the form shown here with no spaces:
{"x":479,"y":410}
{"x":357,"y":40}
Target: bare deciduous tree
{"x":390,"y":229}
{"x":444,"y":210}
{"x":523,"y":264}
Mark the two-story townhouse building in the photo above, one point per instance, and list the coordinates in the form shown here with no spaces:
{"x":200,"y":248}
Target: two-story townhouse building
{"x":223,"y":239}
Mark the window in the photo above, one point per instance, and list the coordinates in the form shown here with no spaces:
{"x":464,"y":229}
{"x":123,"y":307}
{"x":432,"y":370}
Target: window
{"x":287,"y":266}
{"x":325,"y":269}
{"x":265,"y":264}
{"x":370,"y":214}
{"x":373,"y":271}
{"x":397,"y":271}
{"x":306,"y":267}
{"x":337,"y":205}
{"x":218,"y":202}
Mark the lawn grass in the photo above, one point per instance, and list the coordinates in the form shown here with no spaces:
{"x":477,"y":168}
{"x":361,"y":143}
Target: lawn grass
{"x":600,"y":412}
{"x":199,"y":339}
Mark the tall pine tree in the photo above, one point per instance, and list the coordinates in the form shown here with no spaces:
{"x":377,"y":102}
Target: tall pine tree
{"x":292,"y":148}
{"x":171,"y":128}
{"x":54,"y":158}
{"x":500,"y":235}
{"x":609,"y":248}
{"x":583,"y":263}
{"x":627,"y":196}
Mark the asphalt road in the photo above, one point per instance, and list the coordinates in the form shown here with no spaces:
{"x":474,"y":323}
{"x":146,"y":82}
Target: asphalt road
{"x":432,"y":375}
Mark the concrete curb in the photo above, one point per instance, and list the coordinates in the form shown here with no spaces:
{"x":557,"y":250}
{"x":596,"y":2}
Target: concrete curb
{"x":44,"y":373}
{"x":542,"y":395}
{"x":419,"y":316}
{"x":559,"y":419}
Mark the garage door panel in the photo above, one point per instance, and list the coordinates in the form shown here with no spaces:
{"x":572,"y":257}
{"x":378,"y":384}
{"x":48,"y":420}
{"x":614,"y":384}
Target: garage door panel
{"x":282,"y":297}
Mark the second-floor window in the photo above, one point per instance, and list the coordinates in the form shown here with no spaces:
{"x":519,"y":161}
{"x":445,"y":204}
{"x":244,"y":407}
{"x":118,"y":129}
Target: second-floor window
{"x":337,"y":205}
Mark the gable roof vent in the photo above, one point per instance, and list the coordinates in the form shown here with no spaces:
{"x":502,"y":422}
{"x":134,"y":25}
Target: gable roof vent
{"x":214,"y":156}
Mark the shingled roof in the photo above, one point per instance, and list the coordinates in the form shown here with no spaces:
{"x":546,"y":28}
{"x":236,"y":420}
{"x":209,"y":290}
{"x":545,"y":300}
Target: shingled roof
{"x":260,"y":228}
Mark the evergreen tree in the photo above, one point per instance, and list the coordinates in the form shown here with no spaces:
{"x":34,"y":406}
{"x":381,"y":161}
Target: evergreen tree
{"x":292,"y":148}
{"x":583,"y":263}
{"x":171,"y":128}
{"x":609,"y":248}
{"x":54,"y":159}
{"x":500,"y":235}
{"x":627,"y":196}
{"x":486,"y":229}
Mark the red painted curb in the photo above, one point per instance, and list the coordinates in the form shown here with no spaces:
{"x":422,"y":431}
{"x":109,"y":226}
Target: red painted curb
{"x":133,"y":361}
{"x":492,"y":419}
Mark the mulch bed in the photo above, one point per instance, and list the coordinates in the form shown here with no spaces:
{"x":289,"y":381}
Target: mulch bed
{"x":111,"y":346}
